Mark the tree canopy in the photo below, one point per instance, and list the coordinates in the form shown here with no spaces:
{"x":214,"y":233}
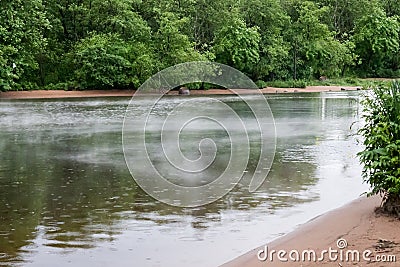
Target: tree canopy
{"x":85,"y":44}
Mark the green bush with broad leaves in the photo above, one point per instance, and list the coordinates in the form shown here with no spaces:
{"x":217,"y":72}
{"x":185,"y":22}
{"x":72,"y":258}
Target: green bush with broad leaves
{"x":381,"y":156}
{"x":101,"y":61}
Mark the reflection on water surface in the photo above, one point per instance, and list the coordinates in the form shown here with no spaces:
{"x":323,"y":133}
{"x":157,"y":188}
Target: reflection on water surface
{"x":67,"y":197}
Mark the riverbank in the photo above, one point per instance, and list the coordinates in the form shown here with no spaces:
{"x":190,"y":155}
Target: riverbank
{"x":48,"y":94}
{"x":356,"y":223}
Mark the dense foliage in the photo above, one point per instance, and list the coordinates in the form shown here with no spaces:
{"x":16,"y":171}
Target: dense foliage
{"x":79,"y":44}
{"x":381,"y":156}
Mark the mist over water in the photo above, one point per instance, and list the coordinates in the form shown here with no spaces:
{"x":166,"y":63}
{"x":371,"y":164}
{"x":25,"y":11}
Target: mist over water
{"x":67,"y":197}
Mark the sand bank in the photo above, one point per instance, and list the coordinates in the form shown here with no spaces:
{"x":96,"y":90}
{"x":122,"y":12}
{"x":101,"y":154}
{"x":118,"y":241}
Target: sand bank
{"x":46,"y":94}
{"x":355,"y":224}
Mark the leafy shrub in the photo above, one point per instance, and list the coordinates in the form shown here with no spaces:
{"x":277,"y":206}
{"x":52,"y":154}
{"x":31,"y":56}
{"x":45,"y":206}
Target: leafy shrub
{"x":107,"y":61}
{"x":288,"y":84}
{"x":237,"y":45}
{"x":101,"y":62}
{"x":261,"y":84}
{"x":388,"y":73}
{"x":351,"y":81}
{"x":381,"y":156}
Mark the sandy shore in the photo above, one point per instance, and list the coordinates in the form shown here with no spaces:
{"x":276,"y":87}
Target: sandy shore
{"x":44,"y":94}
{"x":357,"y":223}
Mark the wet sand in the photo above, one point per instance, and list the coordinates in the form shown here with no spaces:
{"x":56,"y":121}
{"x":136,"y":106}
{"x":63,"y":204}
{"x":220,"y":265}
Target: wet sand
{"x":46,"y":94}
{"x":356,"y":222}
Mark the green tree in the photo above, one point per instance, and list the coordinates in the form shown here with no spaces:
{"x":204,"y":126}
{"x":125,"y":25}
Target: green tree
{"x":342,"y":14}
{"x":314,"y":49}
{"x":102,"y":62}
{"x":171,"y":45}
{"x":22,"y":24}
{"x":70,"y":18}
{"x":118,"y":16}
{"x":237,"y":45}
{"x":271,"y":20}
{"x":77,"y":22}
{"x":376,"y":37}
{"x":392,"y":7}
{"x":267,"y":39}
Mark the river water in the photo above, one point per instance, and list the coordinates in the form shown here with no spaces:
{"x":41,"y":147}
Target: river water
{"x":67,"y":197}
